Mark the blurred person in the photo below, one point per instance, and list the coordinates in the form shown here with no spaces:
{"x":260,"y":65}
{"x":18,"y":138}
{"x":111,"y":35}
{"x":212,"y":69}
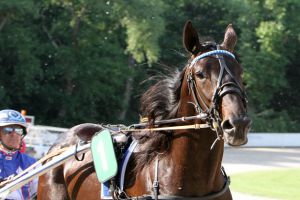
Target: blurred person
{"x":12,"y":160}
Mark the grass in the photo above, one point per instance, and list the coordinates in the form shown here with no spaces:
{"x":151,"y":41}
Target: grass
{"x":280,"y":184}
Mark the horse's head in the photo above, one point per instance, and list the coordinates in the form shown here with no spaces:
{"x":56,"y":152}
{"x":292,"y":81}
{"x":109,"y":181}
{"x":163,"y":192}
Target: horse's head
{"x":215,"y":82}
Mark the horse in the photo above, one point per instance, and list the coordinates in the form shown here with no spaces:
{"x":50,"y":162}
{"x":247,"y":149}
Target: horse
{"x":206,"y":106}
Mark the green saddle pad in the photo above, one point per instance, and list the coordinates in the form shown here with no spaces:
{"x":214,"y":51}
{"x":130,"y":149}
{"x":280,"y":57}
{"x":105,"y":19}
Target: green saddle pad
{"x":104,"y":157}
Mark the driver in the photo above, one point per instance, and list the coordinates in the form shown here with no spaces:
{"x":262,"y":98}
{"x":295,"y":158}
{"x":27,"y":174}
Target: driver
{"x":12,"y":161}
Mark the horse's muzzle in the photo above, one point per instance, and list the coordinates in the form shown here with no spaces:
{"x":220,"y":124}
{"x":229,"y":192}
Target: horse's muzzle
{"x":235,"y":130}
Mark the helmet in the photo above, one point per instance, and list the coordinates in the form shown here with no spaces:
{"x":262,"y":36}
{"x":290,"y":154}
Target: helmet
{"x":10,"y":117}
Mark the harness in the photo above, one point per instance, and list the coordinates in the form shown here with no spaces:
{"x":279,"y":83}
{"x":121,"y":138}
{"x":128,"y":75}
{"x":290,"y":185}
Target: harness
{"x":209,"y":114}
{"x":118,"y":193}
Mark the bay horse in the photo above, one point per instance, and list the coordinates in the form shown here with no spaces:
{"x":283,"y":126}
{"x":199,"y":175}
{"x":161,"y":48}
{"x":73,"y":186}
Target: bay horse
{"x":177,"y":163}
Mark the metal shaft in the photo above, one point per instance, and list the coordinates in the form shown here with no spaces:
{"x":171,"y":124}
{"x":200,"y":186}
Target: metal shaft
{"x":56,"y":161}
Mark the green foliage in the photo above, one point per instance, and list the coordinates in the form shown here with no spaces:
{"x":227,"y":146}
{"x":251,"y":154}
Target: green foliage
{"x":142,"y":38}
{"x":69,"y":62}
{"x":56,"y":80}
{"x":272,"y":121}
{"x":268,"y":53}
{"x":18,"y":65}
{"x":261,"y":54}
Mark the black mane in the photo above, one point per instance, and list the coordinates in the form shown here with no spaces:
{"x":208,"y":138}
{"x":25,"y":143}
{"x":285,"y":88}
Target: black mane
{"x":160,"y":101}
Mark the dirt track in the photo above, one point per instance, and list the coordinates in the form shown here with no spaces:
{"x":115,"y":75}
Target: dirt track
{"x":250,"y":159}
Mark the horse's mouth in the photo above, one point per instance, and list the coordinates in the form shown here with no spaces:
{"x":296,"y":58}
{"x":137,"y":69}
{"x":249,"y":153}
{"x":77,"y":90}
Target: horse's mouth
{"x":235,"y":142}
{"x":236,"y":138}
{"x":235,"y":130}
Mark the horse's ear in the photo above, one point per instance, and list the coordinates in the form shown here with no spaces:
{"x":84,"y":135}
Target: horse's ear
{"x":191,"y":39}
{"x":230,"y":38}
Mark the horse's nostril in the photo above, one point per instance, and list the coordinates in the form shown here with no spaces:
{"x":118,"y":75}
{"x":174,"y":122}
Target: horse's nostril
{"x":226,"y":125}
{"x":238,"y":122}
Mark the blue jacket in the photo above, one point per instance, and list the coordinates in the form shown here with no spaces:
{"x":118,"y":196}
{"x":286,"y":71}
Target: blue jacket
{"x":14,"y":164}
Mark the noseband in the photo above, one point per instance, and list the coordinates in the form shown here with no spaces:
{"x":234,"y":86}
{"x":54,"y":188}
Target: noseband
{"x":222,"y":89}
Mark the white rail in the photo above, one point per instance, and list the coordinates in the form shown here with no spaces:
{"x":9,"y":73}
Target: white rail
{"x":273,"y":140}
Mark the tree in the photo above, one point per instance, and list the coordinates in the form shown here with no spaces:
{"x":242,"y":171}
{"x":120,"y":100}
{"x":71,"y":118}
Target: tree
{"x":269,"y":46}
{"x":69,"y":62}
{"x":79,"y":57}
{"x":18,"y":64}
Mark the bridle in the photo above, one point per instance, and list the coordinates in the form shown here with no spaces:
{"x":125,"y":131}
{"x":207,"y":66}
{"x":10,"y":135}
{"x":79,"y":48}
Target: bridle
{"x":222,"y":89}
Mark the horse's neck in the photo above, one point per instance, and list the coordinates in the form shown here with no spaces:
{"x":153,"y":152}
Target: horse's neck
{"x":194,"y":168}
{"x":192,"y":149}
{"x":193,"y":165}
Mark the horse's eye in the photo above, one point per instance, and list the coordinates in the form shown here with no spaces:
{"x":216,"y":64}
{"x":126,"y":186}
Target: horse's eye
{"x":200,"y":74}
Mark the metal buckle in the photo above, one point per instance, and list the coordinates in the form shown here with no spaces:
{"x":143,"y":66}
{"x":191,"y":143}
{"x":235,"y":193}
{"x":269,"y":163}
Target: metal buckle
{"x":155,"y":184}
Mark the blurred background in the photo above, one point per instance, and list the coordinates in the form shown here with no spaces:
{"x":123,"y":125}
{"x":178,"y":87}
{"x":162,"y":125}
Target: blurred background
{"x":67,"y":62}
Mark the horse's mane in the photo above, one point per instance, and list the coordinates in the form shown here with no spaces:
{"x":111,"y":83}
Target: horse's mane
{"x":160,"y":101}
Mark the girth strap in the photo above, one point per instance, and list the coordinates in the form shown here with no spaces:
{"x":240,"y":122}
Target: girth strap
{"x":208,"y":197}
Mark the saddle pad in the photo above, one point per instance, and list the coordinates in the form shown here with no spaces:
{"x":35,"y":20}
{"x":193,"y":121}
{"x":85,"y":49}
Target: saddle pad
{"x":105,"y":193}
{"x":104,"y":157}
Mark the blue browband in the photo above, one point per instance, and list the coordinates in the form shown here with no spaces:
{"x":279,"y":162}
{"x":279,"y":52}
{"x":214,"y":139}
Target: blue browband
{"x":214,"y":52}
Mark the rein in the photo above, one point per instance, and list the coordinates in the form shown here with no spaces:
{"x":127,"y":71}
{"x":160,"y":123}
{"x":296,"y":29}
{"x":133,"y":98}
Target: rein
{"x":201,"y":116}
{"x":193,"y":126}
{"x":135,"y":127}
